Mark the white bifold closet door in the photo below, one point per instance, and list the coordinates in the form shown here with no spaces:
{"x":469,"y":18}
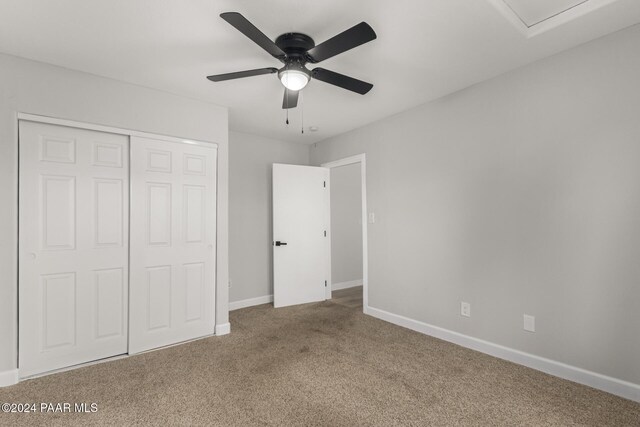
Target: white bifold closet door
{"x":73,"y":246}
{"x":173,"y":238}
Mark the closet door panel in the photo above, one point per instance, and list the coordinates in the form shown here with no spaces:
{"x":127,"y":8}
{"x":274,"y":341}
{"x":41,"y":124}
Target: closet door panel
{"x":73,"y":257}
{"x":173,"y":217}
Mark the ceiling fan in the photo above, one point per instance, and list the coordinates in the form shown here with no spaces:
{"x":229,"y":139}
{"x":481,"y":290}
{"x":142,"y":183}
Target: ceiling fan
{"x":295,"y":50}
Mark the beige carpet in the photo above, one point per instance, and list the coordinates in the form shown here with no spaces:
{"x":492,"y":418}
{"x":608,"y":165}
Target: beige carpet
{"x":320,"y":364}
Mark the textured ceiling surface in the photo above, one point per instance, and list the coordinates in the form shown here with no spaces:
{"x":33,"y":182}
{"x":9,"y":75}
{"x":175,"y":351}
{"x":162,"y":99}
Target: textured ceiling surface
{"x":425,"y":49}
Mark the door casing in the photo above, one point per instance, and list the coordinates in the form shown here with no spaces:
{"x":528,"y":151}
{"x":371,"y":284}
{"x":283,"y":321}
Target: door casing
{"x":362,"y":160}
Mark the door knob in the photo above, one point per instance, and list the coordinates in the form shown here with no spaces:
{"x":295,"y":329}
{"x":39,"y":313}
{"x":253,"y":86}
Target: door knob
{"x":32,"y":255}
{"x":279,"y":243}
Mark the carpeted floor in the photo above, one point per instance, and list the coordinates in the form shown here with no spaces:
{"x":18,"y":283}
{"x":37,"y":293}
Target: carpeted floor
{"x":319,"y":364}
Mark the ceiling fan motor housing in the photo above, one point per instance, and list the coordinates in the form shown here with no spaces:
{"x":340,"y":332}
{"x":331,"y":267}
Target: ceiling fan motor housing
{"x":295,"y":45}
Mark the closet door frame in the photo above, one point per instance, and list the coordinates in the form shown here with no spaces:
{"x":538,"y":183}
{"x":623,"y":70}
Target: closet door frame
{"x":219,"y":329}
{"x":109,"y":129}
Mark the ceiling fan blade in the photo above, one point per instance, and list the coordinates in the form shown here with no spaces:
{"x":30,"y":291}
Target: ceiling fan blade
{"x":290,"y":99}
{"x":353,"y":37}
{"x":243,"y":25}
{"x":241,"y":74}
{"x":341,"y":80}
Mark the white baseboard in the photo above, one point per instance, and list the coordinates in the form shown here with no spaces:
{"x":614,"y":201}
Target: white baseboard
{"x":8,"y":378}
{"x":250,"y":302}
{"x":611,"y":385}
{"x":223,"y":329}
{"x":346,"y":285}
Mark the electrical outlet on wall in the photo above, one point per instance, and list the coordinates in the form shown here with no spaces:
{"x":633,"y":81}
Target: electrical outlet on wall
{"x":372,"y":218}
{"x":230,"y":283}
{"x":529,"y":323}
{"x":465,"y":309}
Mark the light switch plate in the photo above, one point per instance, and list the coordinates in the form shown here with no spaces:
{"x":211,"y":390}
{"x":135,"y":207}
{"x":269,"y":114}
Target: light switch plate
{"x":465,"y":309}
{"x":529,"y":323}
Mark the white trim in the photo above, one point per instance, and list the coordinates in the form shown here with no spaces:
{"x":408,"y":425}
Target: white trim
{"x":346,"y":285}
{"x":582,"y":376}
{"x":327,"y":240}
{"x":549,"y":23}
{"x":362,"y":159}
{"x":223,"y":329}
{"x":250,"y":302}
{"x":5,"y":377}
{"x":8,"y":378}
{"x":109,"y":129}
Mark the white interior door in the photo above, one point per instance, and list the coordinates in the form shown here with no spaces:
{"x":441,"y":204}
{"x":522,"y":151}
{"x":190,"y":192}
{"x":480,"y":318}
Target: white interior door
{"x":73,"y":258}
{"x":173,"y":238}
{"x":300,"y":234}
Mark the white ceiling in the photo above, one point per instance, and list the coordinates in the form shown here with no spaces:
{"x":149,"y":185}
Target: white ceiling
{"x":425,"y":49}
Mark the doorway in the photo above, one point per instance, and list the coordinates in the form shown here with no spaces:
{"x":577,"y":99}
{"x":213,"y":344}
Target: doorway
{"x":348,"y":285}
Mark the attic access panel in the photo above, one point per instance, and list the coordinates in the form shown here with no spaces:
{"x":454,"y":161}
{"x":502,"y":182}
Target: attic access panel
{"x":532,"y":12}
{"x":533,"y":17}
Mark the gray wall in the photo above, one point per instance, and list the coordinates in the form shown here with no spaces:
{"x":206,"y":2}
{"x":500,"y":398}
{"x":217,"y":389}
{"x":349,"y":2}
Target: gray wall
{"x":346,"y":224}
{"x":37,"y":88}
{"x":519,"y":195}
{"x":250,"y":223}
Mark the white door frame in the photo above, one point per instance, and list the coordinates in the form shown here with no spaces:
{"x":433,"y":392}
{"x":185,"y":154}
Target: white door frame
{"x":221,"y":329}
{"x":358,"y":158}
{"x":109,"y":129}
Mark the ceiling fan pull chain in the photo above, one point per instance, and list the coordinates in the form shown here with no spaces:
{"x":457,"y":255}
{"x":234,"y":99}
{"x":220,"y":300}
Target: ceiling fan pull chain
{"x":286,"y":97}
{"x":302,"y":110}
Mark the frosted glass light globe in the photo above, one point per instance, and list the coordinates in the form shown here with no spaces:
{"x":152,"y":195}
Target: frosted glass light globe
{"x":294,"y":79}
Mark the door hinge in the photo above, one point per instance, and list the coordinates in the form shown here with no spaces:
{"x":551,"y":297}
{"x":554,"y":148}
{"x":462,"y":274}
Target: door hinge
{"x":325,"y":283}
{"x":325,"y":233}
